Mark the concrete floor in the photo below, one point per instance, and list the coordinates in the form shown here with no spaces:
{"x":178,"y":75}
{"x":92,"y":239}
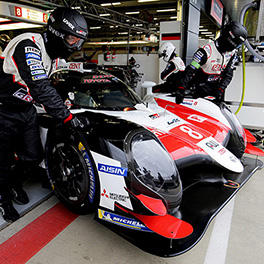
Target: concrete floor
{"x":236,"y":236}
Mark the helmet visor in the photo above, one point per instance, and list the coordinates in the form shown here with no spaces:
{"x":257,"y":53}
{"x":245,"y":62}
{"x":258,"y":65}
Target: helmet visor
{"x":74,"y":42}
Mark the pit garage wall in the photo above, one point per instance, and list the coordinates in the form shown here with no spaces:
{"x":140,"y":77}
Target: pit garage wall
{"x":149,"y":66}
{"x":170,"y":32}
{"x":251,"y":114}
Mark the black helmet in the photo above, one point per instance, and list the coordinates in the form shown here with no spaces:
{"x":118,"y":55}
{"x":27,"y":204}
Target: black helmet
{"x":67,"y":30}
{"x":232,"y":36}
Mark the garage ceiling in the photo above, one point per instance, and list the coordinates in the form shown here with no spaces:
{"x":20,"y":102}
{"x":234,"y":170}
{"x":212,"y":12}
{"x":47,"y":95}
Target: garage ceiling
{"x":109,"y":20}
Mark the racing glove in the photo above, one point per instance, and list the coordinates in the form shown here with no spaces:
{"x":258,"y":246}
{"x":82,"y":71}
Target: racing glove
{"x":179,"y":93}
{"x":76,"y":123}
{"x":219,"y":95}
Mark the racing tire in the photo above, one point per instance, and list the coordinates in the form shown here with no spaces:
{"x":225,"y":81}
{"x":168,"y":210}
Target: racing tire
{"x":71,"y":171}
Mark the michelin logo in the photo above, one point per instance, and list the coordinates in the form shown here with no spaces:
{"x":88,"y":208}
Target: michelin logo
{"x":121,"y":220}
{"x":112,"y":169}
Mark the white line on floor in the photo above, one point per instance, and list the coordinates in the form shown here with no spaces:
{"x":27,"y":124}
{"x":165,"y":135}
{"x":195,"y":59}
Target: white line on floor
{"x":217,"y":248}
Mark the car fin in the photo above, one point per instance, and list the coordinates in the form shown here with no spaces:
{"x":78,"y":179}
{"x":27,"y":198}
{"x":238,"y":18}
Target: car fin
{"x":250,"y":149}
{"x":250,"y":137}
{"x":165,"y":225}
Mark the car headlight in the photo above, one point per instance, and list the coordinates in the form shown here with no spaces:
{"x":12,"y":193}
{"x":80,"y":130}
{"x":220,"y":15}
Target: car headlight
{"x":153,"y":168}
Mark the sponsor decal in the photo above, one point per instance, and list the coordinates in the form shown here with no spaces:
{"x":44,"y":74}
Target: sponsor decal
{"x":115,"y":196}
{"x":36,"y":67}
{"x":210,"y":97}
{"x":68,"y":23}
{"x":212,"y":144}
{"x":232,"y":184}
{"x":32,"y":50}
{"x":32,"y":56}
{"x":56,"y":33}
{"x":89,"y":165}
{"x":233,"y":158}
{"x":122,"y":220}
{"x":213,"y":78}
{"x":197,"y":118}
{"x":157,"y":132}
{"x":81,"y":32}
{"x":222,"y":151}
{"x":32,"y":61}
{"x":112,"y":169}
{"x":22,"y":94}
{"x":96,"y":81}
{"x":102,"y":76}
{"x":39,"y":77}
{"x":173,"y":121}
{"x":154,"y":116}
{"x":37,"y":72}
{"x":75,"y":65}
{"x":188,"y":101}
{"x":68,"y":103}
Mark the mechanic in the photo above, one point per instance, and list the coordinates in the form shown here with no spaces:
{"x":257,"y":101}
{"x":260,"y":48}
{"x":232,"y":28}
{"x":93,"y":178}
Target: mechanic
{"x":211,"y":69}
{"x":172,"y":74}
{"x":24,"y":69}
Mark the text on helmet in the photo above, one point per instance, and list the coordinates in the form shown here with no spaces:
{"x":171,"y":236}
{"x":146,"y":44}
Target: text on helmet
{"x":68,"y":23}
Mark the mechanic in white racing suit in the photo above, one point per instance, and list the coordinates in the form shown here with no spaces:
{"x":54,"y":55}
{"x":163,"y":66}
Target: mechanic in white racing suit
{"x":24,"y":68}
{"x":174,"y":69}
{"x":211,"y":69}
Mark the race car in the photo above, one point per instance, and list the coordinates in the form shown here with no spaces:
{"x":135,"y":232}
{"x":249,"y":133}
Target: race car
{"x":154,"y":172}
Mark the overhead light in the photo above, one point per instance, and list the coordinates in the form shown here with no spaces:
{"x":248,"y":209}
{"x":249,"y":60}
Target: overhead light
{"x":173,"y":17}
{"x":95,"y":27}
{"x":109,"y":4}
{"x":19,"y":25}
{"x":102,"y":15}
{"x":122,"y":33}
{"x":207,"y":32}
{"x":155,"y":18}
{"x":132,"y":13}
{"x":143,"y":1}
{"x":203,"y":29}
{"x":201,"y":26}
{"x":166,"y":10}
{"x":4,"y":19}
{"x":125,"y":42}
{"x":138,"y":25}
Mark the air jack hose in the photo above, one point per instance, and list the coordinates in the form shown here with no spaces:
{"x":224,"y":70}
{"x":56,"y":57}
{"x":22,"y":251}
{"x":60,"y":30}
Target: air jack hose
{"x":244,"y":73}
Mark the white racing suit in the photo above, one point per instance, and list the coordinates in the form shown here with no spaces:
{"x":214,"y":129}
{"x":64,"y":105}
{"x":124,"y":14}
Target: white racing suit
{"x":210,"y":72}
{"x":171,"y":76}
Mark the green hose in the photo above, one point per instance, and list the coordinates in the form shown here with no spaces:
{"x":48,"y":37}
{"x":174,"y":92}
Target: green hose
{"x":244,"y":79}
{"x":244,"y":73}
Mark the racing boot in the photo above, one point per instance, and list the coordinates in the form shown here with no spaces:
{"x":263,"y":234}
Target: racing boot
{"x":7,"y":209}
{"x":18,"y":194}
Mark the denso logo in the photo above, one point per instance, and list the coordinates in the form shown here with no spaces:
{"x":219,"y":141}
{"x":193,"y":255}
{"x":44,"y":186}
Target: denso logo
{"x":112,"y":169}
{"x":75,"y":65}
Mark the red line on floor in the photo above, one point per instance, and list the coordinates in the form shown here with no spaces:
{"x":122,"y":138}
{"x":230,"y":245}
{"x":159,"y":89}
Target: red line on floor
{"x":32,"y":238}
